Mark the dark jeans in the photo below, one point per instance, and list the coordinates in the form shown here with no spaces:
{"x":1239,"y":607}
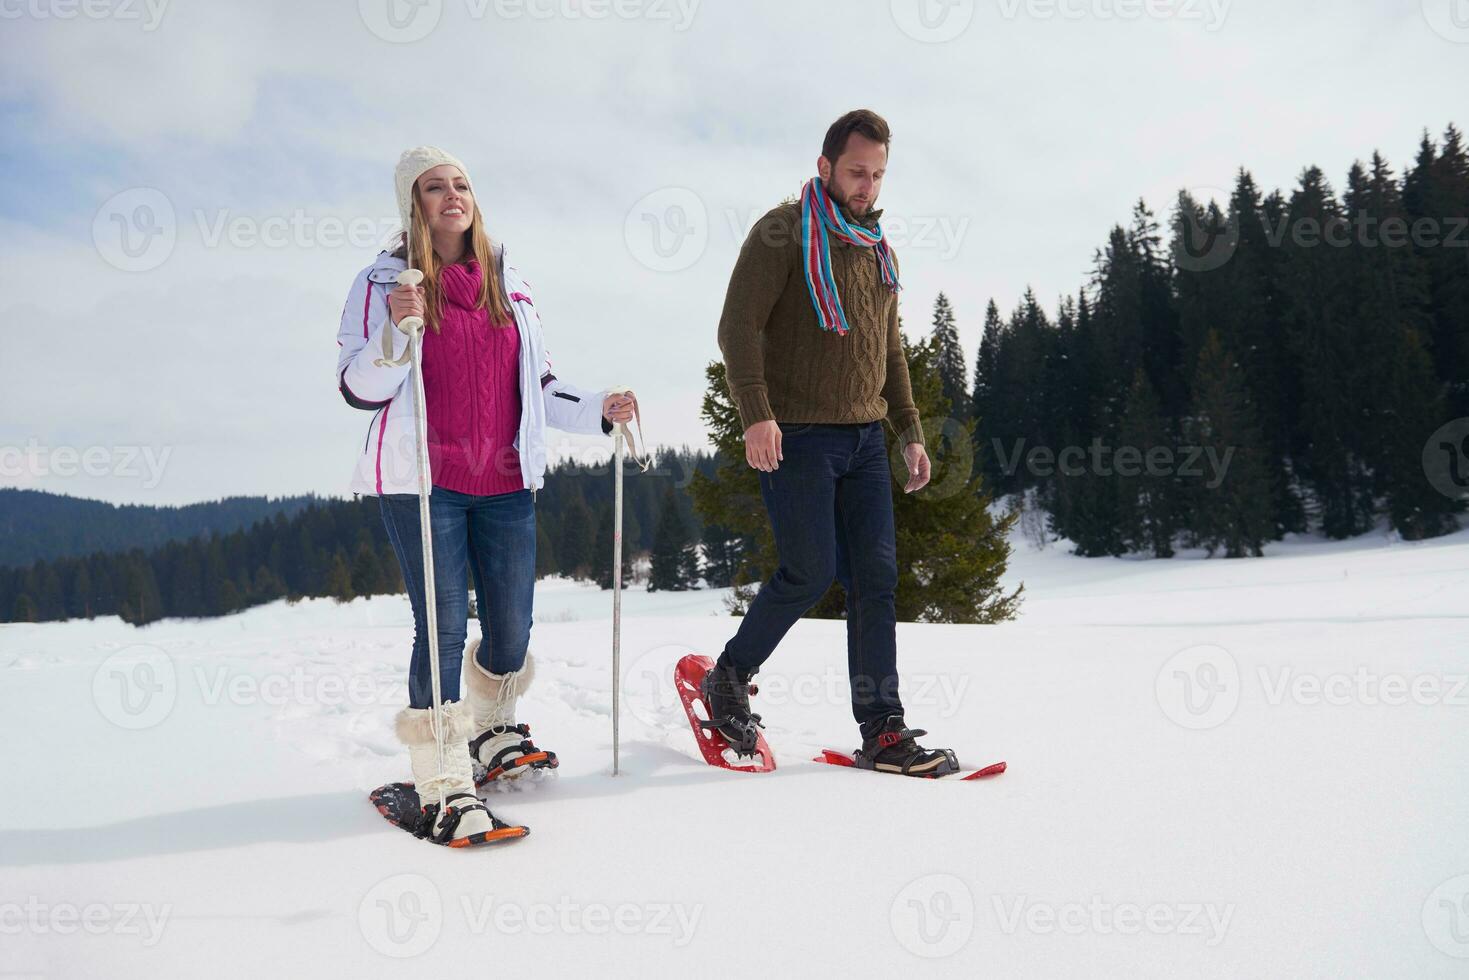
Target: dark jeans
{"x":831,"y":507}
{"x":495,"y":538}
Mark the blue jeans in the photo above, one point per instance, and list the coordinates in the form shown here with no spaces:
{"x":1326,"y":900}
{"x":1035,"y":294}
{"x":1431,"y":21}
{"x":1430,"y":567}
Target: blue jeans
{"x":495,"y":539}
{"x":831,"y":508}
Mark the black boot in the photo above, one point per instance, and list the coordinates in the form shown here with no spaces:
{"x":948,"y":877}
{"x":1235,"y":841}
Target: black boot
{"x":727,"y":691}
{"x":891,"y":748}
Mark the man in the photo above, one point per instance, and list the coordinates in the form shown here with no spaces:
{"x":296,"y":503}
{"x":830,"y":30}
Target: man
{"x":814,"y":362}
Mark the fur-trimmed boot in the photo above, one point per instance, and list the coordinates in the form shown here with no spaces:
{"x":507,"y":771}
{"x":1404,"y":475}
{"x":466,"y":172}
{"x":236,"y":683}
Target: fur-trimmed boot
{"x":496,"y":742}
{"x":464,"y":821}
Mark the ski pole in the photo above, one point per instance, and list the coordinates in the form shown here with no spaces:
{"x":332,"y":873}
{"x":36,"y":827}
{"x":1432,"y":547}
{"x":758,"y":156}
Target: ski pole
{"x":616,"y":590}
{"x":413,"y":326}
{"x":621,"y":438}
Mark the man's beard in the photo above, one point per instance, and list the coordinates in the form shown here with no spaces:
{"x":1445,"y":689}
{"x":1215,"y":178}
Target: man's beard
{"x":845,"y":200}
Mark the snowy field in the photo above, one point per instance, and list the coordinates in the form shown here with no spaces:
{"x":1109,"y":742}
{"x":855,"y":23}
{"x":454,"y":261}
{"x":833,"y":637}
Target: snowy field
{"x":1217,"y":769}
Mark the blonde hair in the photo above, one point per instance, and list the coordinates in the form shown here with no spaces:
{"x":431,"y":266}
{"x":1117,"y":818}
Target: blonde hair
{"x":491,"y":290}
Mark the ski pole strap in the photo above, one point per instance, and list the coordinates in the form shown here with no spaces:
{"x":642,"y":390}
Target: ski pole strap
{"x":408,"y":277}
{"x":643,"y":460}
{"x":387,"y":359}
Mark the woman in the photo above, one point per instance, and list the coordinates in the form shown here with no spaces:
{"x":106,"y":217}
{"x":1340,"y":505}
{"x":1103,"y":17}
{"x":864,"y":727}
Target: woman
{"x":489,"y":395}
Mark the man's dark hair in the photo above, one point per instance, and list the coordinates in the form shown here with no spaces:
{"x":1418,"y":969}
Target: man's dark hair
{"x":863,"y":121}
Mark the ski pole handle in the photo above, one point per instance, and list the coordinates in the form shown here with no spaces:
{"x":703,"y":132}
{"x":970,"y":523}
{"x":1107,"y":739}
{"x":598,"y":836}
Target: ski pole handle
{"x":410,"y":324}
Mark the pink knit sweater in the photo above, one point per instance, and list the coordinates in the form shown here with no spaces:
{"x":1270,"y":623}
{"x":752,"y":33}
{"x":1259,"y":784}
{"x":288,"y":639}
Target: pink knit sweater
{"x":470,"y":381}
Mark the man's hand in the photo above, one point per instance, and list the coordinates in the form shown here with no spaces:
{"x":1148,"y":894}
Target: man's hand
{"x":762,"y":445}
{"x":918,"y":468}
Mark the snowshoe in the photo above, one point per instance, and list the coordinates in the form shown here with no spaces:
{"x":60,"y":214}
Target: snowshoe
{"x":726,"y":691}
{"x":689,"y":680}
{"x":893,"y":748}
{"x":400,"y":806}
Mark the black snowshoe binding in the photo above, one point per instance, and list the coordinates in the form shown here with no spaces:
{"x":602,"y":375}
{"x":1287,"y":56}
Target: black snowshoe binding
{"x":399,"y":803}
{"x":892,"y":748}
{"x":512,"y":758}
{"x":727,"y":691}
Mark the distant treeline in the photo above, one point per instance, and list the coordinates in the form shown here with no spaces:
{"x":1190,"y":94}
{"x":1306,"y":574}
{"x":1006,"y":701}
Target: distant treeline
{"x":338,"y":548}
{"x":35,"y":524}
{"x":1276,"y":362}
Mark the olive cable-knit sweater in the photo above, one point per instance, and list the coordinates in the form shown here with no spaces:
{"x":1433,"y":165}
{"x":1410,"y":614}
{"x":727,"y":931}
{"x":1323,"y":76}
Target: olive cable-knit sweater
{"x":778,"y":361}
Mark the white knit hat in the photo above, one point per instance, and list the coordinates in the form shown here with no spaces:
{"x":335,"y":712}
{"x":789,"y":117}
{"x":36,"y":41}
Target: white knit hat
{"x":411,"y":166}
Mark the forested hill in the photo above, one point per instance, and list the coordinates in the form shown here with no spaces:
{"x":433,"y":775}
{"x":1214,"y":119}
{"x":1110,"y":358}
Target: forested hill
{"x":36,"y":525}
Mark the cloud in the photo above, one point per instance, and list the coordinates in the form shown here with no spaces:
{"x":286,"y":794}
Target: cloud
{"x":1018,"y":143}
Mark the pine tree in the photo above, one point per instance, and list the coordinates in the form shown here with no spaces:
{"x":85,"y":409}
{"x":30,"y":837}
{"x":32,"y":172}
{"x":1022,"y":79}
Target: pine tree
{"x":1436,"y":196}
{"x":1147,"y":498}
{"x":573,"y":551}
{"x":982,"y":401}
{"x":951,"y":551}
{"x":139,"y":601}
{"x":1249,"y":324}
{"x":1415,"y":508}
{"x":339,"y":579}
{"x":672,"y":568}
{"x":265,"y":586}
{"x":1389,"y":294}
{"x":730,"y":495}
{"x":1329,"y":447}
{"x":545,"y":551}
{"x":1231,"y":508}
{"x":722,"y":552}
{"x":951,"y":367}
{"x":366,"y":576}
{"x":1157,"y":318}
{"x":25,"y":609}
{"x":601,"y":561}
{"x":81,"y":599}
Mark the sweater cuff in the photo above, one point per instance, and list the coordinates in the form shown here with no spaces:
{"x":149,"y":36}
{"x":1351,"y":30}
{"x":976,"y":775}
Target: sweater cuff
{"x":909,"y":429}
{"x":754,"y":406}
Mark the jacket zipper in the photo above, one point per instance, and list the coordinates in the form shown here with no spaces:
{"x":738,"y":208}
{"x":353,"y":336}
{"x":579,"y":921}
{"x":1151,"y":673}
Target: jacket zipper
{"x":526,"y":383}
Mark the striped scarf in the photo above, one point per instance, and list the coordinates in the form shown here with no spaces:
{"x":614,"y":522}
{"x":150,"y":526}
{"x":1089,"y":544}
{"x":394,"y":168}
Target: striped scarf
{"x":819,"y":218}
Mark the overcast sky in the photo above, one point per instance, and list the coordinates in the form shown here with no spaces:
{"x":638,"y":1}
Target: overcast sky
{"x":188,"y":188}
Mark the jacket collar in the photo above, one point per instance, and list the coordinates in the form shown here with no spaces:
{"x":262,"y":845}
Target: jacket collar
{"x":387,"y":265}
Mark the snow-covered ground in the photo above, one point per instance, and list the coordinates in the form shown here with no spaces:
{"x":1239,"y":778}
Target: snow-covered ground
{"x":1217,"y":769}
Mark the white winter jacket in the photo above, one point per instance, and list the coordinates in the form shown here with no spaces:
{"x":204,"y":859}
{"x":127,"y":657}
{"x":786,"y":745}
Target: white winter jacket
{"x":387,"y":460}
